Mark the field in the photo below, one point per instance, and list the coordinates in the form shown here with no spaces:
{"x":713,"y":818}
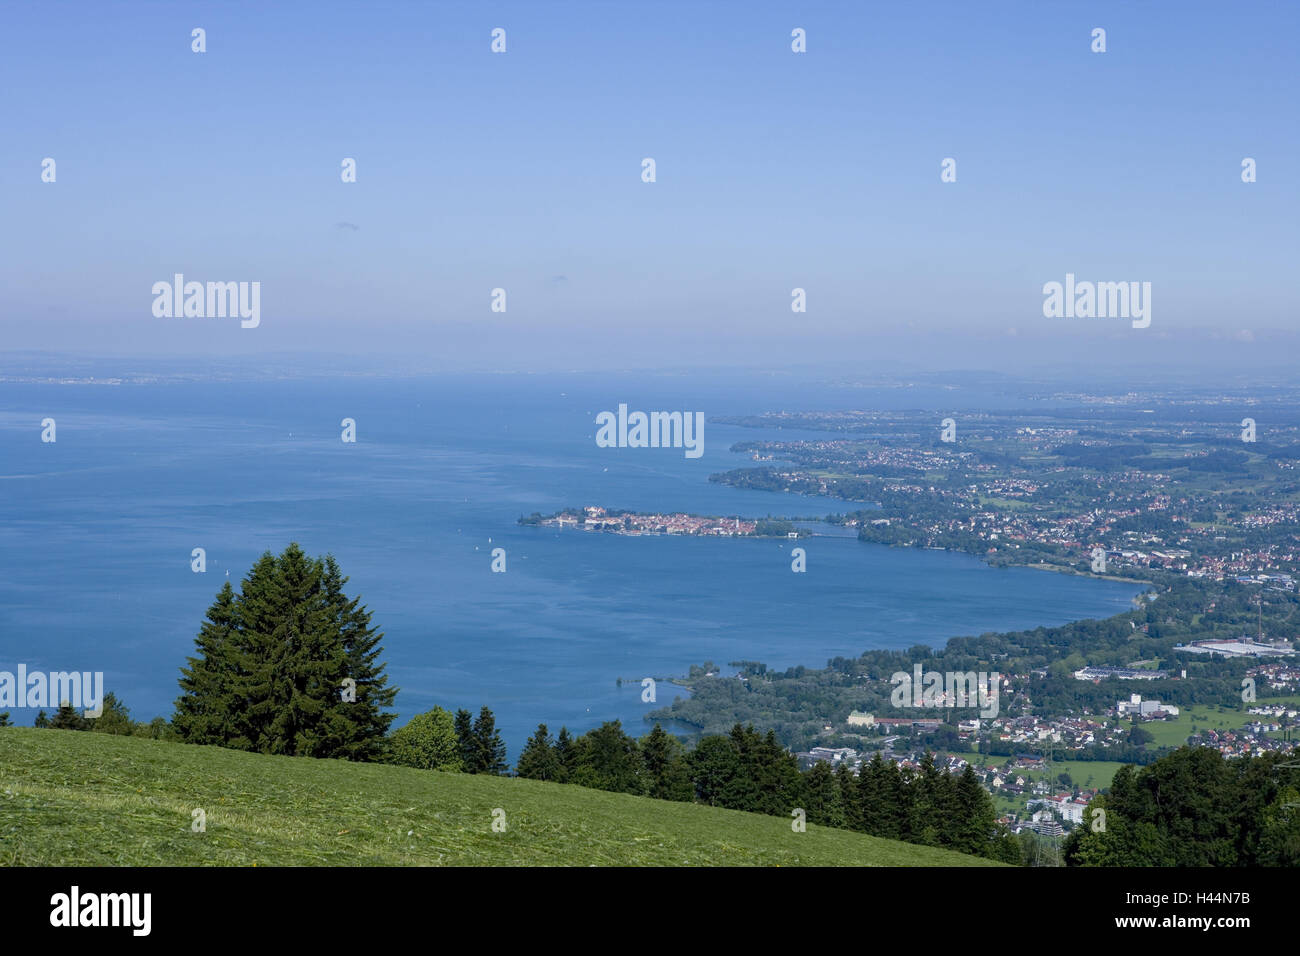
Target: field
{"x":77,"y":798}
{"x":1087,"y":773}
{"x":1174,"y":733}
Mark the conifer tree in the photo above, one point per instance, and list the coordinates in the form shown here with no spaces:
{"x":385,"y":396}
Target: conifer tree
{"x":822,"y":801}
{"x":748,"y":788}
{"x":782,"y":782}
{"x":925,"y":818}
{"x":947,"y":809}
{"x":362,"y":722}
{"x":206,"y":709}
{"x":67,"y":718}
{"x":976,"y":816}
{"x":537,"y":761}
{"x":665,"y":767}
{"x":609,"y":759}
{"x":872,"y":788}
{"x":900,"y":802}
{"x":469,"y":752}
{"x":714,"y":763}
{"x":278,"y":662}
{"x":488,"y":744}
{"x":307,"y":665}
{"x":565,"y":755}
{"x":849,"y":801}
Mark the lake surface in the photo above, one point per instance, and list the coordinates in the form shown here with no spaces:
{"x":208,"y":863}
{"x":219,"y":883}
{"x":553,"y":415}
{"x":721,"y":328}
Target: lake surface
{"x":96,"y":532}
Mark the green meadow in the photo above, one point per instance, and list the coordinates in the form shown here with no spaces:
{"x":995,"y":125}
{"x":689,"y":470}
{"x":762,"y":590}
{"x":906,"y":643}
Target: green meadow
{"x":76,"y":798}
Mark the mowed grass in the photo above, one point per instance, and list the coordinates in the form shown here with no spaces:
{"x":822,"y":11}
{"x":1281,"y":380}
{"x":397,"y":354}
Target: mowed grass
{"x":1087,"y":773}
{"x":76,"y":798}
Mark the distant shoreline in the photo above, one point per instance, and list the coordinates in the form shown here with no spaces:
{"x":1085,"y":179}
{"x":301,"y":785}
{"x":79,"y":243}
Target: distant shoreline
{"x":599,"y":520}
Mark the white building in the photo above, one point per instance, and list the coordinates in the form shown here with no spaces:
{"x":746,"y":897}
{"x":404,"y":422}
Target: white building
{"x":1136,"y":706}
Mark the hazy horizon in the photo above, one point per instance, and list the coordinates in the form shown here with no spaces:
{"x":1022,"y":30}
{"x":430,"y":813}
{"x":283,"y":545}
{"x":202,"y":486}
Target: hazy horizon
{"x":775,"y":171}
{"x":1160,"y":358}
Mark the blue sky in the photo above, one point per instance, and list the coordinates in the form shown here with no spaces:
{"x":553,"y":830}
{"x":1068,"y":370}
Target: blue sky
{"x":522,"y":171}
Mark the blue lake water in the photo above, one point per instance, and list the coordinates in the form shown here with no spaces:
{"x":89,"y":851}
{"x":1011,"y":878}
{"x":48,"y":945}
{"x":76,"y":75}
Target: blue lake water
{"x":96,"y":532}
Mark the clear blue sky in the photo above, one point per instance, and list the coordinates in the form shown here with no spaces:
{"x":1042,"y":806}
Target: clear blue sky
{"x":522,"y":171}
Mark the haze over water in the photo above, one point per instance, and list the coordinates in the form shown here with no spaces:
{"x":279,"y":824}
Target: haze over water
{"x":96,"y":533}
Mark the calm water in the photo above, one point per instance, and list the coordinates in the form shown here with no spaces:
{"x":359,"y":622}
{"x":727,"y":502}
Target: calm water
{"x":96,"y":533}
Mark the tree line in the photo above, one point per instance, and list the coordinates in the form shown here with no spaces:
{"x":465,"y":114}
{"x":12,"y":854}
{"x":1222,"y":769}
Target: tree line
{"x":745,"y":770}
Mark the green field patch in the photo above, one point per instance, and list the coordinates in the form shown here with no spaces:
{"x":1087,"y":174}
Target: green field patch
{"x":1013,"y":504}
{"x":70,"y":798}
{"x":1174,"y":732}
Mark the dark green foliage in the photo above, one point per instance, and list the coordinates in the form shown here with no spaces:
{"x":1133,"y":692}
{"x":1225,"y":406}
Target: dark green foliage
{"x":489,"y":749}
{"x":358,"y":726}
{"x":713,"y":762}
{"x":666,"y":773}
{"x":1007,"y":848}
{"x":1279,"y":831}
{"x":538,"y":760}
{"x":748,"y":771}
{"x":1139,"y":736}
{"x":565,"y":754}
{"x":745,"y":771}
{"x":67,"y":718}
{"x":463,"y":724}
{"x":850,"y":797}
{"x":608,"y":759}
{"x":925,"y":823}
{"x":822,"y":801}
{"x":777,"y":786}
{"x":205,"y":713}
{"x":277,"y":661}
{"x":885,"y":800}
{"x":974,"y":816}
{"x":1194,"y":808}
{"x":115,"y":718}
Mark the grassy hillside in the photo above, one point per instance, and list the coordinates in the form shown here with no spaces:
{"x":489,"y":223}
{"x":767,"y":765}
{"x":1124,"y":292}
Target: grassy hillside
{"x":93,"y":799}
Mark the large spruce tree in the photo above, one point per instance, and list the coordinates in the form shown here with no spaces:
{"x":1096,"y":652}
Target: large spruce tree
{"x":279,"y":663}
{"x":490,"y":749}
